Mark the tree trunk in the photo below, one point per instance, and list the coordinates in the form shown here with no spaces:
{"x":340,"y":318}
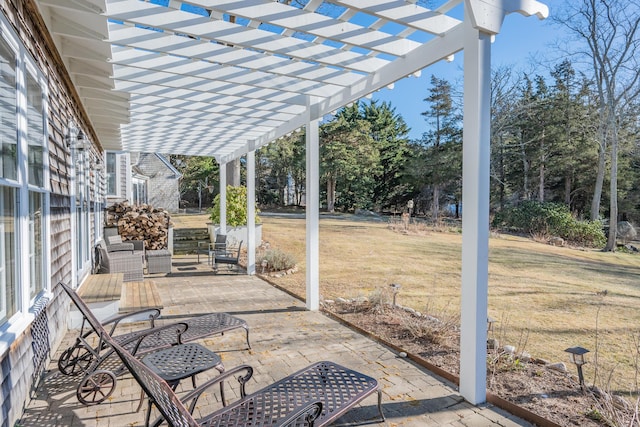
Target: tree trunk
{"x":542,"y":160}
{"x":525,"y":172}
{"x":233,"y":173}
{"x":567,"y":190}
{"x":613,"y":200}
{"x":331,"y":194}
{"x":597,"y":192}
{"x":435,"y":206}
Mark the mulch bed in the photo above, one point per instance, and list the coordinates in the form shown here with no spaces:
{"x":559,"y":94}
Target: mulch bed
{"x":553,"y":395}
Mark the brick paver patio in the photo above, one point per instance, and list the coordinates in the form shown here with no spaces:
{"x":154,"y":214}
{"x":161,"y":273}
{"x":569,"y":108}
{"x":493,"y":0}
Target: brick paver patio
{"x":285,"y":338}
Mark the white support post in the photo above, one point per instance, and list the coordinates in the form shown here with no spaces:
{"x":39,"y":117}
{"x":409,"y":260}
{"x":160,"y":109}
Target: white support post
{"x":313,"y":215}
{"x":223,"y":198}
{"x":251,"y":212}
{"x":475,"y":213}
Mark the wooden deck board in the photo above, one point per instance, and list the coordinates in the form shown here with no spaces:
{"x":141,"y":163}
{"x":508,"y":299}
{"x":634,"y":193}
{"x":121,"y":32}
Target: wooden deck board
{"x":139,"y":295}
{"x":101,"y":287}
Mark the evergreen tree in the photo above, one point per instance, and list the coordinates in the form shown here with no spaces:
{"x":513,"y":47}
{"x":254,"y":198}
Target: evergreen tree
{"x":443,"y":143}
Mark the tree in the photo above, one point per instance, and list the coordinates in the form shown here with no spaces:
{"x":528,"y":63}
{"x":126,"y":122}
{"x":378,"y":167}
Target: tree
{"x":610,"y":30}
{"x":281,"y":163}
{"x":349,"y":160}
{"x":199,"y":179}
{"x":389,"y":133}
{"x":443,"y":139}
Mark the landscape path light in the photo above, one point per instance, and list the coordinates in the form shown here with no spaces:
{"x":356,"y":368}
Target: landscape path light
{"x":577,"y":358}
{"x":490,"y":322}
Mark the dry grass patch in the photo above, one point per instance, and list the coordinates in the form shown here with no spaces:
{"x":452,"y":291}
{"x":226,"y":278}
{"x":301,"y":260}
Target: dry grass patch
{"x":550,"y":294}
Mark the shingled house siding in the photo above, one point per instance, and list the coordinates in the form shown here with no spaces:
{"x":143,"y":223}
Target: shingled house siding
{"x":162,"y":186}
{"x":16,"y":364}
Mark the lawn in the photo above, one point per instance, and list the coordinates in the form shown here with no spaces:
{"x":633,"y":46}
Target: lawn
{"x":544,"y":298}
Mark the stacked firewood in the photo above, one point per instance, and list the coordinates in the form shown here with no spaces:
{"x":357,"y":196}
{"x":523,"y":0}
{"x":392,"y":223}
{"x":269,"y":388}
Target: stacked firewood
{"x":140,"y":222}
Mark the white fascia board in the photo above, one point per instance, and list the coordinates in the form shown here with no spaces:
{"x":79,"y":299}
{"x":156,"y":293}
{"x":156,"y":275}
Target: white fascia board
{"x":93,"y":26}
{"x":89,"y":49}
{"x":74,"y":5}
{"x":83,"y":80}
{"x":91,"y":69}
{"x":104,"y":94}
{"x":120,"y":116}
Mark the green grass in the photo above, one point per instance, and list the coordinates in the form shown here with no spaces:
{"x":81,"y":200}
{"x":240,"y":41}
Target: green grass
{"x":545,"y":298}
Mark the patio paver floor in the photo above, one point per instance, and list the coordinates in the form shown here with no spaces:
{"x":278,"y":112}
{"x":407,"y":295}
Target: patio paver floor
{"x":284,"y":338}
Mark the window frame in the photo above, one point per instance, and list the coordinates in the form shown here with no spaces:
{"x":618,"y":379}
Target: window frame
{"x":26,"y":67}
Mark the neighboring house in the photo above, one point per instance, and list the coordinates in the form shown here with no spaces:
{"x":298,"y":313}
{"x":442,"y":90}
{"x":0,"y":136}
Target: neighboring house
{"x":142,"y":178}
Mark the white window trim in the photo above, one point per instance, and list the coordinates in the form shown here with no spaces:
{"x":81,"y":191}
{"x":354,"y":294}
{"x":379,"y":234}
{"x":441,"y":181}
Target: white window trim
{"x":23,"y":317}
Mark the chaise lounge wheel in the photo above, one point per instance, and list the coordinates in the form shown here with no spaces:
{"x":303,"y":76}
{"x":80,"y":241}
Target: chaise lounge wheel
{"x":75,"y":360}
{"x":96,"y":387}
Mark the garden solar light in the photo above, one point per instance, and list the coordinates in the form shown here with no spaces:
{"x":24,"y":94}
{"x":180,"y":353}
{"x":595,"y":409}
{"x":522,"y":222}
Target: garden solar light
{"x":395,"y":288}
{"x":577,"y":357}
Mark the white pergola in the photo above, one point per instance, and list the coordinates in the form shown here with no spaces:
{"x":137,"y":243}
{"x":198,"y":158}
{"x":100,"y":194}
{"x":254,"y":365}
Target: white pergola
{"x":222,"y":78}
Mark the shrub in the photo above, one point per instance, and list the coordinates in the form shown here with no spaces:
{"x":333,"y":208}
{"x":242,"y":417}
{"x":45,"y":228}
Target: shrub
{"x":550,"y":219}
{"x":276,"y":260}
{"x":236,"y":207}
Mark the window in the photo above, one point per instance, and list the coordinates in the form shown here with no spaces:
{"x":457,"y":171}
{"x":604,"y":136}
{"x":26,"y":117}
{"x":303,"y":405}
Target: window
{"x":8,"y":221}
{"x":139,"y":193}
{"x":8,"y":113}
{"x":8,"y":173}
{"x":112,"y":174}
{"x":36,"y":243}
{"x":35,"y":131}
{"x":24,"y":196}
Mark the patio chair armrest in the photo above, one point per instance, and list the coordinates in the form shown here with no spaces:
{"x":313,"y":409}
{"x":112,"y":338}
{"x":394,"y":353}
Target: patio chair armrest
{"x":120,"y":247}
{"x":308,"y":413}
{"x":154,"y":313}
{"x":195,"y":394}
{"x":160,"y":337}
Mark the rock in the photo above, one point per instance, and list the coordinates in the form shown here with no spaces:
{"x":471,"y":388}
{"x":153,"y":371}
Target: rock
{"x":626,"y":231}
{"x":409,"y":310}
{"x":402,"y":354}
{"x":556,"y":241}
{"x":525,"y":357}
{"x":620,"y":403}
{"x":492,"y":343}
{"x":560,"y":367}
{"x":540,"y":361}
{"x":361,"y":300}
{"x":329,"y":301}
{"x":342,"y":300}
{"x":509,"y":349}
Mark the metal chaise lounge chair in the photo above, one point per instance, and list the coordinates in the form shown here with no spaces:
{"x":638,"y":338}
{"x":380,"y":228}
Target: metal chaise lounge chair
{"x":88,"y":353}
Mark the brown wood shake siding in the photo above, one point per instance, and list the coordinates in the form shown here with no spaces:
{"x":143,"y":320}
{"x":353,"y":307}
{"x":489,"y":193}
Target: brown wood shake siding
{"x":64,"y":107}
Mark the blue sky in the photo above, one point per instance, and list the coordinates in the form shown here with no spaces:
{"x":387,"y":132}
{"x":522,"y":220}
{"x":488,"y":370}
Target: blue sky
{"x":520,"y":41}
